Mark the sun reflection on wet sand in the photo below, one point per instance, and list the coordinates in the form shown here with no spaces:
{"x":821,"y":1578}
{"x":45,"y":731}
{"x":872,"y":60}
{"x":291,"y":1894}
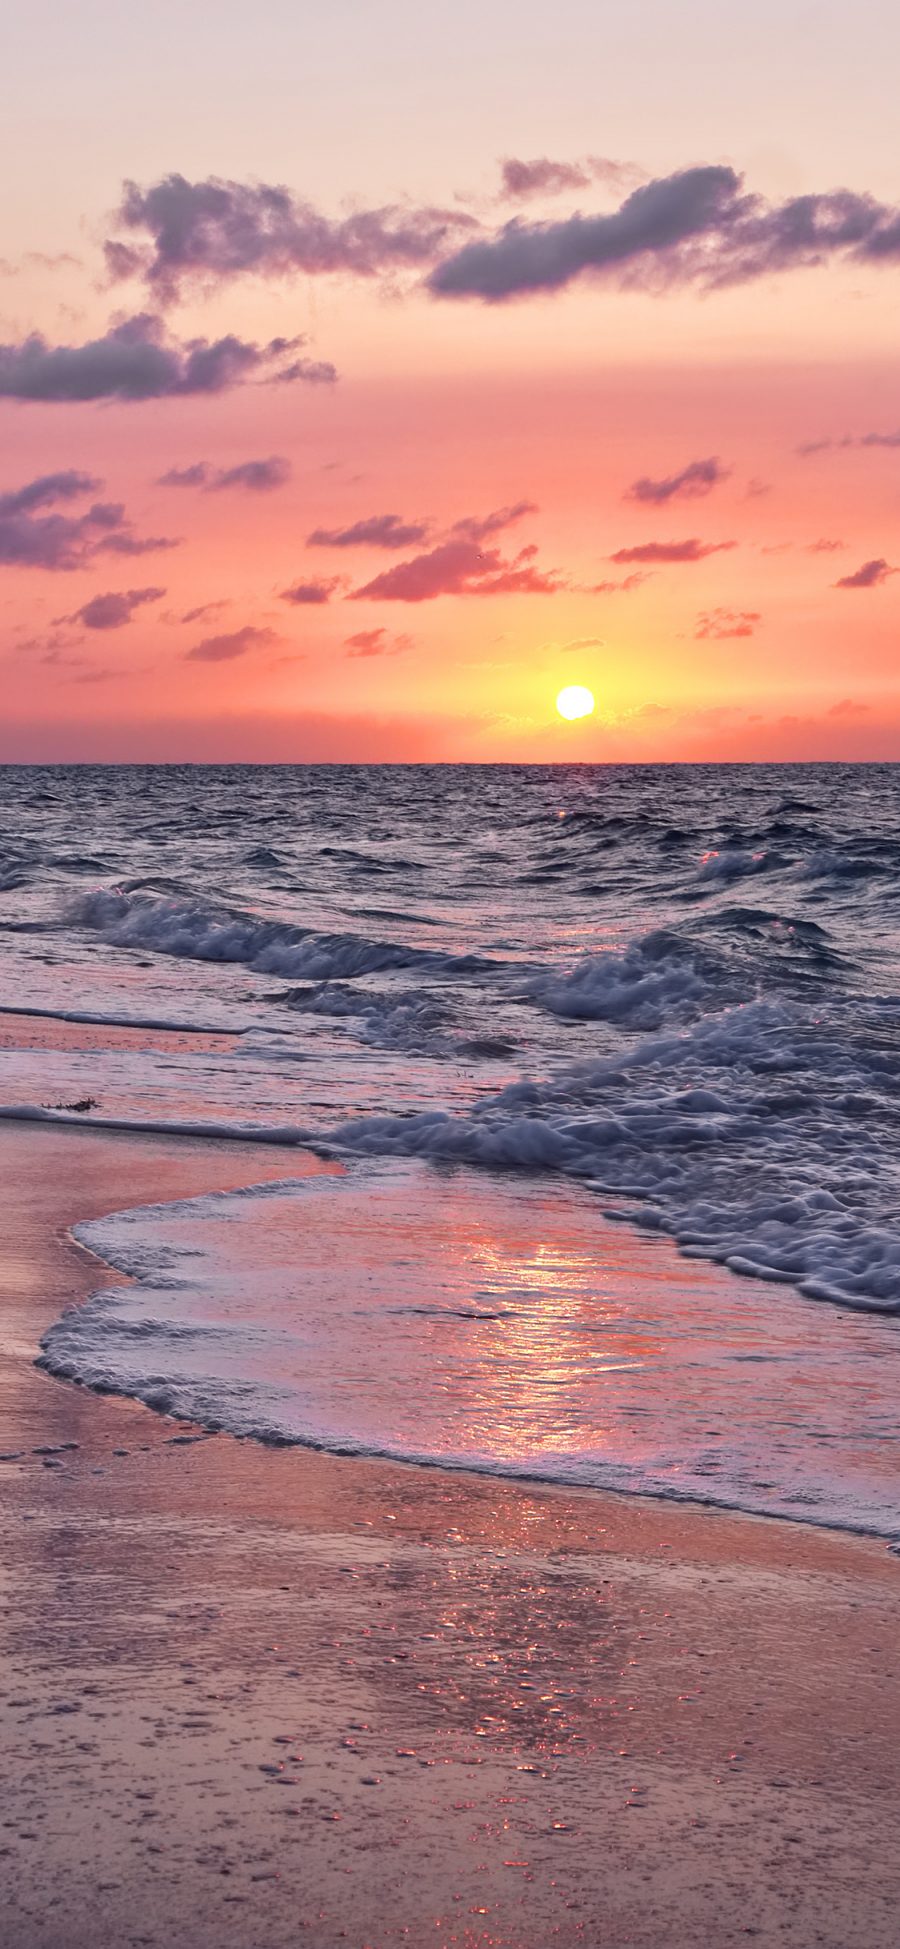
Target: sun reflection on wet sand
{"x":494,"y":1322}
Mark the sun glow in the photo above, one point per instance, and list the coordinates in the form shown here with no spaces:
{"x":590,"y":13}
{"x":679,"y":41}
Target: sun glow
{"x":575,"y":701}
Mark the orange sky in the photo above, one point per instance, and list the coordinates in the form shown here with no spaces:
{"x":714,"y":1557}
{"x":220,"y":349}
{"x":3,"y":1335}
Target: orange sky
{"x":725,"y":635}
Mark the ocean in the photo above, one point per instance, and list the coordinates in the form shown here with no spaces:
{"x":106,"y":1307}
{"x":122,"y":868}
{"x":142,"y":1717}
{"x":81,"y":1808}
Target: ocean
{"x":607,"y":1060}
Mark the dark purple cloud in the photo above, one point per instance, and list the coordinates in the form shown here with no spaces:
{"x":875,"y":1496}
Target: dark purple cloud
{"x":258,"y":476}
{"x":698,"y":478}
{"x":541,"y":177}
{"x":301,"y":593}
{"x":459,"y":568}
{"x":138,"y":360}
{"x":373,"y":531}
{"x":720,"y":625}
{"x":112,"y":610}
{"x":33,"y":534}
{"x":869,"y":576}
{"x":223,"y":649}
{"x":672,"y":551}
{"x":698,"y":227}
{"x":180,"y":233}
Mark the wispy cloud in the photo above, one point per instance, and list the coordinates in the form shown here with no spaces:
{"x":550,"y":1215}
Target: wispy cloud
{"x":372,"y":531}
{"x":691,"y":483}
{"x":622,"y":586}
{"x":204,"y":612}
{"x":812,"y":447}
{"x":720,"y":625}
{"x":225,"y":648}
{"x":542,"y":177}
{"x":302,"y":593}
{"x":256,"y":476}
{"x":376,"y":642}
{"x":672,"y":551}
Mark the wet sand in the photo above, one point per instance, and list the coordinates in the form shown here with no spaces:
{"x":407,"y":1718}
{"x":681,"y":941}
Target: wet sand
{"x":266,"y":1697}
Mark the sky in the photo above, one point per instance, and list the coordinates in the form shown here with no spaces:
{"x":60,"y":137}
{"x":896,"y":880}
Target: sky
{"x":370,"y":374}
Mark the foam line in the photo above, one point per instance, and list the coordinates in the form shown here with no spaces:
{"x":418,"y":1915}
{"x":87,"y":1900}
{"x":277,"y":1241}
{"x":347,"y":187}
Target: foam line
{"x":91,"y":1020}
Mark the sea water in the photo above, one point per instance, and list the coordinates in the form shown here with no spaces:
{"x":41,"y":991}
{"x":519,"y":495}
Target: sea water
{"x":550,"y":1018}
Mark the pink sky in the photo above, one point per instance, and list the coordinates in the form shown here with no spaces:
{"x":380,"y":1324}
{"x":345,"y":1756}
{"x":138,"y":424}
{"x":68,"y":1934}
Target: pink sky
{"x":648,"y":402}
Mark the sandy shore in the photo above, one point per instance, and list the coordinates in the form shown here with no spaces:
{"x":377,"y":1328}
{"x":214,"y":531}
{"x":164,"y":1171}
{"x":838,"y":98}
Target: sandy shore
{"x":264,"y":1697}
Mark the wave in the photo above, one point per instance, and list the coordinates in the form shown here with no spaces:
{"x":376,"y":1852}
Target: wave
{"x":192,"y":931}
{"x":758,"y":1138}
{"x":733,"y":955}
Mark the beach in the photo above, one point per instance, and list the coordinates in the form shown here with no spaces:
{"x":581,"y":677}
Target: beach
{"x":263,"y":1695}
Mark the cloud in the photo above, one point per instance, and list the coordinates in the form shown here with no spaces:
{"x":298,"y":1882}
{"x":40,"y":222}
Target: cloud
{"x":459,"y":567}
{"x":622,"y":587}
{"x":869,"y":576}
{"x":823,"y":546}
{"x":113,"y":610}
{"x":672,"y":551}
{"x":258,"y":476}
{"x":698,"y":478}
{"x":541,"y":177}
{"x":811,"y":447}
{"x":204,"y":612}
{"x":137,"y":360}
{"x":848,"y":707}
{"x":194,"y":476}
{"x":376,"y":642}
{"x":373,"y":531}
{"x":41,"y":260}
{"x":47,"y":490}
{"x":477,"y":527}
{"x":719,"y":625}
{"x":698,"y":227}
{"x":223,"y":649}
{"x":30,"y":538}
{"x":180,"y":233}
{"x":101,"y":674}
{"x":310,"y":592}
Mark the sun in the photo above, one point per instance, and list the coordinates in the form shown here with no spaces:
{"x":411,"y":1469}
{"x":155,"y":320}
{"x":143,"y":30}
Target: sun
{"x":575,"y":701}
